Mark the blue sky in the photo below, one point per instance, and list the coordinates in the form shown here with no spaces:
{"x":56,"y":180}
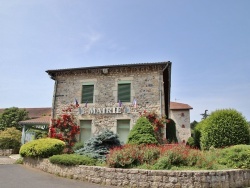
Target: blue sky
{"x":208,"y":43}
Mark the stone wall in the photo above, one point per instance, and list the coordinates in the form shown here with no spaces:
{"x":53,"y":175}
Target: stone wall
{"x":6,"y":152}
{"x":146,"y":178}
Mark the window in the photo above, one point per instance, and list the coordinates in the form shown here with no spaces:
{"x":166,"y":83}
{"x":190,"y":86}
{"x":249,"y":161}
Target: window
{"x":124,"y":94}
{"x":87,"y":93}
{"x":123,"y":128}
{"x":85,"y":130}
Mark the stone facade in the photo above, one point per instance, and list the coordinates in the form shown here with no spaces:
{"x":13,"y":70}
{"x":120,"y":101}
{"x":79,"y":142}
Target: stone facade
{"x":180,"y":113}
{"x":182,"y":120}
{"x":150,"y":88}
{"x":146,"y":178}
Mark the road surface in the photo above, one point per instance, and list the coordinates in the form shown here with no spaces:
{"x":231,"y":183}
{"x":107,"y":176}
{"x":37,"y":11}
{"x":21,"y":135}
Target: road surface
{"x":20,"y":176}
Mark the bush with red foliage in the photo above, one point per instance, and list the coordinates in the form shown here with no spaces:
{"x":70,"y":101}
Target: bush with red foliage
{"x":65,"y":128}
{"x":159,"y":157}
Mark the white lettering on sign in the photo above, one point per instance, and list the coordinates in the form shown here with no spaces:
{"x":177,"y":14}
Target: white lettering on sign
{"x":106,"y":110}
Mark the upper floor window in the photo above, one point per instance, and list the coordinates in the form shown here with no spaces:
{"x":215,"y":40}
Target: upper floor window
{"x":124,"y":92}
{"x":88,"y":93}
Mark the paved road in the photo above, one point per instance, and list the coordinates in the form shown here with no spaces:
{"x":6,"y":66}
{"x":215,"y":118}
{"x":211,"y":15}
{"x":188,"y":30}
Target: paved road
{"x":20,"y":176}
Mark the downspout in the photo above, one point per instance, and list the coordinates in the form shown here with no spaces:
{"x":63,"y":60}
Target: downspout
{"x":160,"y":89}
{"x":54,"y":97}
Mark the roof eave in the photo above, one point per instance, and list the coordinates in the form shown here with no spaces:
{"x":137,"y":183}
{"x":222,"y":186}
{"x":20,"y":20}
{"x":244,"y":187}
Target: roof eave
{"x":50,"y":72}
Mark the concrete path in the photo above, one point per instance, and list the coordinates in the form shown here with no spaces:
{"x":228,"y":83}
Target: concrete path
{"x":6,"y":160}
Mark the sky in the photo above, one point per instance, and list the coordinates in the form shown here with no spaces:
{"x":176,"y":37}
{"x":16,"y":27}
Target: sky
{"x":208,"y":43}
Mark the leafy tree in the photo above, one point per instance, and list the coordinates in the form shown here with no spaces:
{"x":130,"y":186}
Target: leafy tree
{"x":142,"y":133}
{"x":10,"y":138}
{"x":193,"y":124}
{"x":11,"y":116}
{"x":224,"y":127}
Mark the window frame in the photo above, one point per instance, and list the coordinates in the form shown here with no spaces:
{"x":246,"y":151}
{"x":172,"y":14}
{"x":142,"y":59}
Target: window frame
{"x":83,"y":101}
{"x":117,"y":127}
{"x":82,"y":127}
{"x":121,"y":99}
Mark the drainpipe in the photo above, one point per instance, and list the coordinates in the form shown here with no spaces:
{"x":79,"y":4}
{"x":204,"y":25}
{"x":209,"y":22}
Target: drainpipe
{"x":160,"y":89}
{"x":54,"y":98}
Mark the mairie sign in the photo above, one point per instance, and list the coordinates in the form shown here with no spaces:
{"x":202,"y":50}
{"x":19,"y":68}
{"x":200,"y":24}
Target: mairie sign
{"x":105,"y":110}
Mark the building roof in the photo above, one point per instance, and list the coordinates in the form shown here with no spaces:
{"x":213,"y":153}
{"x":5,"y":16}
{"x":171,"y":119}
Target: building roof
{"x":35,"y":112}
{"x":50,"y":72}
{"x":179,"y":106}
{"x":37,"y":121}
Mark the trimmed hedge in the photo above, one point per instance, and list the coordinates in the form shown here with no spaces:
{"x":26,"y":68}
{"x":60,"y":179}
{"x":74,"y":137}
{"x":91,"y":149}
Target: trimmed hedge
{"x":224,"y":127}
{"x":72,"y":160}
{"x":43,"y":148}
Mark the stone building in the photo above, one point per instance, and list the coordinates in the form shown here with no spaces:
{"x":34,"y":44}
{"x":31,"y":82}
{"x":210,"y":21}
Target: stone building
{"x":180,"y":113}
{"x":112,"y":96}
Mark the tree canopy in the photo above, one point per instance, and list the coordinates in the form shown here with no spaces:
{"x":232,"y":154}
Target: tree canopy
{"x":11,"y":116}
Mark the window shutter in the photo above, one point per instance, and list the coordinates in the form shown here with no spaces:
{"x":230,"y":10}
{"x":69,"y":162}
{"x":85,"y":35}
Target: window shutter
{"x":87,"y":93}
{"x":124,"y":92}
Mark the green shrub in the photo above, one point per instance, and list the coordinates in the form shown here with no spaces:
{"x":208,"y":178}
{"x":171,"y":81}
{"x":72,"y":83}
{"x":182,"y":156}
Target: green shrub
{"x":171,"y":131}
{"x":77,"y":146}
{"x":98,"y":146}
{"x":190,"y":142}
{"x":225,"y":127}
{"x":197,"y":133}
{"x":206,"y":160}
{"x":237,"y":156}
{"x":142,"y":133}
{"x":158,"y":124}
{"x":43,"y":148}
{"x":72,"y":160}
{"x":163,"y":163}
{"x":10,"y":138}
{"x":179,"y":156}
